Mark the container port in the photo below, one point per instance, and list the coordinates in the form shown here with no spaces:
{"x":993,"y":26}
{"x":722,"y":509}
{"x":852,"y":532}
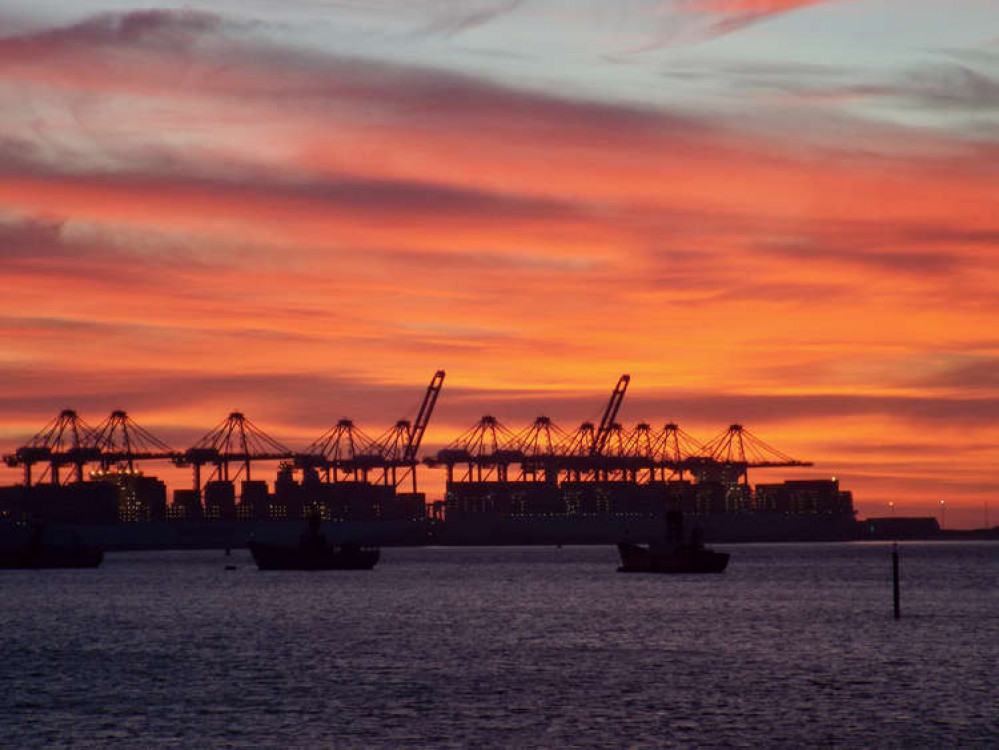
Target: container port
{"x":597,"y":483}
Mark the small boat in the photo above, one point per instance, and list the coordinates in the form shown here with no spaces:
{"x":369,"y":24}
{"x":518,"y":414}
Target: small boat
{"x":31,"y":550}
{"x":673,"y":555}
{"x":313,"y":552}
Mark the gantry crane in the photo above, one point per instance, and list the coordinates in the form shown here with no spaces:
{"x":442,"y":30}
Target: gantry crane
{"x":235,"y":440}
{"x":728,"y":456}
{"x":62,"y":442}
{"x":607,"y":422}
{"x":121,"y":442}
{"x":408,"y":463}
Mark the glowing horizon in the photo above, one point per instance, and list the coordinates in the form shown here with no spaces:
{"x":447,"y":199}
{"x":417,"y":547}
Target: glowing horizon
{"x":783,"y":214}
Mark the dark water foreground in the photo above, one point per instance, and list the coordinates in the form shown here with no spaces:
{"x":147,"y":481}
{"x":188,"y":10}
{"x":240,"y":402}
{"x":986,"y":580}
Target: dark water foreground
{"x":540,"y":647}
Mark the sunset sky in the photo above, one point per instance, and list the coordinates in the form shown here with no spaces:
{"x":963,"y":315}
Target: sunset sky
{"x":783,"y":213}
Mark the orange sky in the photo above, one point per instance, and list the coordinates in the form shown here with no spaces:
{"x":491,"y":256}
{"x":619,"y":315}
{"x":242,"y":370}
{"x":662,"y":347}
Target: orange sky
{"x":201,"y":212}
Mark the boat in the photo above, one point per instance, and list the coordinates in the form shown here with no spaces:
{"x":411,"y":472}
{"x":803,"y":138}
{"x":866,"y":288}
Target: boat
{"x":28,"y":548}
{"x":313,"y":552}
{"x":670,"y":559}
{"x":674,"y":555}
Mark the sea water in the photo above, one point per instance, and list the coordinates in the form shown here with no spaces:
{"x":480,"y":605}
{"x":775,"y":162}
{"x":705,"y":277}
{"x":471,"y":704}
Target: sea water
{"x":794,"y":645}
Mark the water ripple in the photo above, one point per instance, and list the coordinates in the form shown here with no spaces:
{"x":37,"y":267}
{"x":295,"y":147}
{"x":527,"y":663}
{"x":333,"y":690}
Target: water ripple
{"x":521,"y":647}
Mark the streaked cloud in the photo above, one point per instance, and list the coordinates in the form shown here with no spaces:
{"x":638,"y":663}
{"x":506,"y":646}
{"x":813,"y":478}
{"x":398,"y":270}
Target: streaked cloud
{"x":202,"y":212}
{"x":734,"y":14}
{"x":677,"y":23}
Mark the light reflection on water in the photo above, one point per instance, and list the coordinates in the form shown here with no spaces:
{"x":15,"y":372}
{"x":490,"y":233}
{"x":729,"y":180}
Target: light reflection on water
{"x":794,"y":645}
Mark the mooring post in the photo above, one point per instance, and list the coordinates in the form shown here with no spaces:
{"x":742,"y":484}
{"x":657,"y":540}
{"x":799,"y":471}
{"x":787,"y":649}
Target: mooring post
{"x":894,"y":580}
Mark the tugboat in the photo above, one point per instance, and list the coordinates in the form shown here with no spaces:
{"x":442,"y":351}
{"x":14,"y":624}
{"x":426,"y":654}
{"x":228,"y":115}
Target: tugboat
{"x":31,"y":550}
{"x":673,"y":555}
{"x":313,"y":552}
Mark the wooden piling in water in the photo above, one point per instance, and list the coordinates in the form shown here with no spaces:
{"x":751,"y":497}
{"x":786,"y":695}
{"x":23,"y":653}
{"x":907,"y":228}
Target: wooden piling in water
{"x":894,"y":581}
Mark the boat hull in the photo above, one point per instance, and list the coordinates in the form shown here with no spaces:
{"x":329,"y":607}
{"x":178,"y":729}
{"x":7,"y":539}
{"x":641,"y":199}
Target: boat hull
{"x":83,"y":557}
{"x":638,"y":559}
{"x":335,"y":557}
{"x":36,"y":546}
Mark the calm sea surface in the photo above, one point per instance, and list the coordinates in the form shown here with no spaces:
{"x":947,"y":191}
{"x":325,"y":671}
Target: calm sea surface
{"x":507,"y":647}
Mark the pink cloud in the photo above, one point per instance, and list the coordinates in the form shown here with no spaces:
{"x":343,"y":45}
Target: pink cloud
{"x":304,"y":235}
{"x":735,"y":14}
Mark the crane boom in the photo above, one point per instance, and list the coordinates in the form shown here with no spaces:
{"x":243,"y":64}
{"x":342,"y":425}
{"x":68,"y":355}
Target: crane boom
{"x":423,"y":417}
{"x":610,"y":414}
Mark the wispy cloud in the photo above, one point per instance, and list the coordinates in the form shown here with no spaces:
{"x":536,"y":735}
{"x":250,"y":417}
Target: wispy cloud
{"x":675,"y":23}
{"x":733,"y":15}
{"x":199,"y":213}
{"x":971,"y":374}
{"x":451,"y":19}
{"x":944,"y":89}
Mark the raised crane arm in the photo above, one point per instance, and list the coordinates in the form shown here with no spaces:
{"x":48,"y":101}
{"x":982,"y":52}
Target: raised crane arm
{"x":610,"y":414}
{"x":423,"y":418}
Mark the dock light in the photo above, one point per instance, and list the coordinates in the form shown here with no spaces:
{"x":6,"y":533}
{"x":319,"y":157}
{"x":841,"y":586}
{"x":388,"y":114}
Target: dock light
{"x":943,"y":514}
